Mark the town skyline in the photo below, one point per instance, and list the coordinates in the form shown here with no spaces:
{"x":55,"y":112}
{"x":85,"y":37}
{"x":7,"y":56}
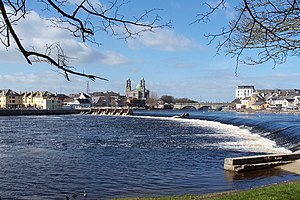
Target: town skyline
{"x":175,"y":61}
{"x":133,"y":91}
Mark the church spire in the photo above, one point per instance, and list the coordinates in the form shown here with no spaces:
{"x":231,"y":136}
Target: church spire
{"x":128,"y":84}
{"x":143,"y":83}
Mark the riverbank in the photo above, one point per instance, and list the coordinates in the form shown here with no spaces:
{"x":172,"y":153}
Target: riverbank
{"x":287,"y":190}
{"x":251,"y":111}
{"x":8,"y":112}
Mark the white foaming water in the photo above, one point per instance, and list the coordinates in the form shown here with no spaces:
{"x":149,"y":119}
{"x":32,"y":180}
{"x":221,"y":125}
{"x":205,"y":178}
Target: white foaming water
{"x":241,"y":138}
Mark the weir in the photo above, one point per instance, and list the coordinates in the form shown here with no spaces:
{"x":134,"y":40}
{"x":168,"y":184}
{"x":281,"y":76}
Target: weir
{"x":249,"y":163}
{"x":108,"y":111}
{"x":94,"y":111}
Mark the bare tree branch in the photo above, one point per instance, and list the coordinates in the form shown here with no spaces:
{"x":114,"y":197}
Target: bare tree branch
{"x":270,"y":28}
{"x":83,"y":20}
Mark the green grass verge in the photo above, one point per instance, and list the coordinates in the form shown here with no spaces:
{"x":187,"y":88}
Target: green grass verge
{"x":283,"y":191}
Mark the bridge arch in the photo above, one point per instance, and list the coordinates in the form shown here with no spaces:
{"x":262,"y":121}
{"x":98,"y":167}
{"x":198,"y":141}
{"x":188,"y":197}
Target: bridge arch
{"x":200,"y":106}
{"x":189,"y":107}
{"x":205,"y":107}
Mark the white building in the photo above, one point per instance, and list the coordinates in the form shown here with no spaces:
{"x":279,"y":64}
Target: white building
{"x":78,"y":104}
{"x":244,"y":91}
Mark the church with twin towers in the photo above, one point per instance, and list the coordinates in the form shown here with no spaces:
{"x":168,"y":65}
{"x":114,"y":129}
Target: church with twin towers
{"x":137,"y":96}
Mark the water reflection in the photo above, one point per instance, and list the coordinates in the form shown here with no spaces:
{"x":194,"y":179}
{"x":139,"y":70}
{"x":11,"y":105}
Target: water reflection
{"x":231,"y":176}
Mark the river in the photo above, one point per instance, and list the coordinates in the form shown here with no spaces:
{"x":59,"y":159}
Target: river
{"x":148,"y":154}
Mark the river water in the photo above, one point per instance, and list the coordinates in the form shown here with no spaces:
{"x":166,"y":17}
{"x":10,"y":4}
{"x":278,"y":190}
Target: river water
{"x":148,"y":154}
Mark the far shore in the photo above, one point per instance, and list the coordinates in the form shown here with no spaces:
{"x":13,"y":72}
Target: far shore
{"x":14,"y":112}
{"x":250,"y":111}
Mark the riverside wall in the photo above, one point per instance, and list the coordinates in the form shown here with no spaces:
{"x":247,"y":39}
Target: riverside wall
{"x":93,"y":111}
{"x":8,"y":112}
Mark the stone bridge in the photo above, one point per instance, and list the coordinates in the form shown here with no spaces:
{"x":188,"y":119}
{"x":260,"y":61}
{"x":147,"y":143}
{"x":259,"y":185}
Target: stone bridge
{"x":200,"y":106}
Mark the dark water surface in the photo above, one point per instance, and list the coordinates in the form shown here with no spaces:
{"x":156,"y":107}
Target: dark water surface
{"x":48,"y":157}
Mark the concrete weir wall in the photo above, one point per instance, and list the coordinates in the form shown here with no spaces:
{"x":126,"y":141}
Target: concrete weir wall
{"x":111,"y":111}
{"x":249,"y":163}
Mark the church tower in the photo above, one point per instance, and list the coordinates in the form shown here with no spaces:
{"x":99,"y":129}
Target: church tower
{"x":143,"y":87}
{"x":128,"y":85}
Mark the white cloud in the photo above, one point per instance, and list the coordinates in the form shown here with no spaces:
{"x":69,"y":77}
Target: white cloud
{"x":42,"y":33}
{"x":20,"y":76}
{"x":164,"y":40}
{"x":50,"y":81}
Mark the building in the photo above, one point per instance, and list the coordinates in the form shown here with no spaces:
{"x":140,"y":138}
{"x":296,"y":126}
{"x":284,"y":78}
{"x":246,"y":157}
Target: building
{"x":277,"y":99}
{"x":10,"y":99}
{"x":83,"y":95}
{"x":80,"y":101}
{"x":64,"y":99}
{"x":41,"y":100}
{"x":108,"y":99}
{"x":244,"y":91}
{"x":259,"y":105}
{"x":138,"y":95}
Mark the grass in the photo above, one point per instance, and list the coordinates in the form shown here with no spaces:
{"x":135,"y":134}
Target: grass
{"x":286,"y":191}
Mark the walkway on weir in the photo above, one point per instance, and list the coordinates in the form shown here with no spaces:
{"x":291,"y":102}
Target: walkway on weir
{"x":293,"y":167}
{"x":287,"y":162}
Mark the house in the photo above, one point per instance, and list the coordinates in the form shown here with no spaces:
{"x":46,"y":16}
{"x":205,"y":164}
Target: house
{"x":108,"y":99}
{"x":289,"y":103}
{"x":236,"y":103}
{"x":83,"y":95}
{"x":164,"y":105}
{"x":41,"y":100}
{"x":83,"y":103}
{"x":297,"y":102}
{"x":81,"y":100}
{"x":78,"y":104}
{"x":248,"y":102}
{"x":10,"y":99}
{"x":27,"y":99}
{"x":259,"y":105}
{"x":63,"y":98}
{"x":277,"y":101}
{"x":95,"y":96}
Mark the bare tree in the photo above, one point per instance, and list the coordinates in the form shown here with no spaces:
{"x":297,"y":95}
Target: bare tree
{"x":270,"y":28}
{"x":82,"y":18}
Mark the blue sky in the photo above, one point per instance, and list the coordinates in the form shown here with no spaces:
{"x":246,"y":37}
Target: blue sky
{"x":175,"y":62}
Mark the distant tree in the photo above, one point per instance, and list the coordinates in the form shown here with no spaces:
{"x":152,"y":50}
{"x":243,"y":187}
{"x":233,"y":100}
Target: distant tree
{"x":82,"y":18}
{"x":167,"y":99}
{"x":270,"y":28}
{"x":152,"y":101}
{"x":184,"y":100}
